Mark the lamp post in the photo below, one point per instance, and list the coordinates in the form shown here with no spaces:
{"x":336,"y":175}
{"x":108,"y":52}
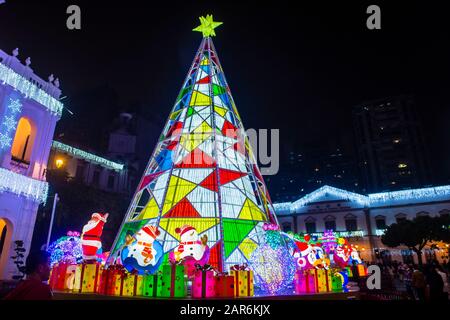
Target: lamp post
{"x":55,"y":200}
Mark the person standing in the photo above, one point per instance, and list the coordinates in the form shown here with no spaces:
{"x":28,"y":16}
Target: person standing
{"x":436,"y":284}
{"x":34,"y":288}
{"x":444,"y":277}
{"x":418,"y":284}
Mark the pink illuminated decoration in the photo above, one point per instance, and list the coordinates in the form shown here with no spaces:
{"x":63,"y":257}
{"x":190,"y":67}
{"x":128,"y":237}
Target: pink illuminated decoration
{"x":271,"y":226}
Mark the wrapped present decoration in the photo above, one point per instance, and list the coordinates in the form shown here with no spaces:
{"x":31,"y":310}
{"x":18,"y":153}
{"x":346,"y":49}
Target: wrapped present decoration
{"x":203,"y":285}
{"x":171,"y":282}
{"x":349,"y":271}
{"x":224,"y":285}
{"x":362,"y":270}
{"x":305,"y":281}
{"x":322,"y":280}
{"x":110,"y":282}
{"x":87,"y":277}
{"x":58,"y":276}
{"x":336,"y":281}
{"x":243,"y":280}
{"x":149,"y":285}
{"x":128,"y":285}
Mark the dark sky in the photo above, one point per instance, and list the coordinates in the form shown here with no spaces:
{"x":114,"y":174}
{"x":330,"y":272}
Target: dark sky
{"x":297,"y":68}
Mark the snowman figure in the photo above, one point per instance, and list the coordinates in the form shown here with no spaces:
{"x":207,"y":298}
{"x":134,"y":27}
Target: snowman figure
{"x":190,"y":244}
{"x":142,"y":252}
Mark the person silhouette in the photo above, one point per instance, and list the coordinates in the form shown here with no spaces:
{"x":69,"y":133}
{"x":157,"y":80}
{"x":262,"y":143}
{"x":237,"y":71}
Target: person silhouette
{"x":33,"y":288}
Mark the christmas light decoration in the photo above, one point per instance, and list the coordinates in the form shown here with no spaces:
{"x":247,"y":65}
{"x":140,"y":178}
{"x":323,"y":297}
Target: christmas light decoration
{"x":9,"y":122}
{"x":21,"y":185}
{"x":77,"y":153}
{"x":371,"y":200}
{"x":30,"y":90}
{"x":327,"y":190}
{"x":274,"y":269}
{"x":423,"y":194}
{"x":202,"y":174}
{"x":66,"y":249}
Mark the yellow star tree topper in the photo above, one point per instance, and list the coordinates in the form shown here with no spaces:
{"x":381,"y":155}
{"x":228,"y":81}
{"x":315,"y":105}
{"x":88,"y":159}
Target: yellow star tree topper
{"x":207,"y":26}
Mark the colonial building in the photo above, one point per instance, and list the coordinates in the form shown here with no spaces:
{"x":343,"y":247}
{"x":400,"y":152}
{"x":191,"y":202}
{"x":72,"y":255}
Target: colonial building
{"x":89,"y":169}
{"x":363,"y":218}
{"x":29,"y":110}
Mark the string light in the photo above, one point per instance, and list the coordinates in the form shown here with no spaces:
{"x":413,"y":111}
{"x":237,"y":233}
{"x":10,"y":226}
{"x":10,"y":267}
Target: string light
{"x":273,"y":265}
{"x":371,"y":200}
{"x":9,"y":123}
{"x":67,"y":249}
{"x":21,"y":185}
{"x":30,"y":90}
{"x":86,"y":155}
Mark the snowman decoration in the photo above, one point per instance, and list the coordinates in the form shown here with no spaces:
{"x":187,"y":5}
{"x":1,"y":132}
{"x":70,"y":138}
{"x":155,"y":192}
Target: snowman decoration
{"x":191,"y":245}
{"x":142,"y":252}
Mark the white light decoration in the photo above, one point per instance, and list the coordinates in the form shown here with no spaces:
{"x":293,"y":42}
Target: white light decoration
{"x":371,"y":200}
{"x":379,"y":232}
{"x":9,"y":122}
{"x":327,"y":190}
{"x":77,"y":153}
{"x":30,"y":90}
{"x":423,"y":194}
{"x":24,"y":186}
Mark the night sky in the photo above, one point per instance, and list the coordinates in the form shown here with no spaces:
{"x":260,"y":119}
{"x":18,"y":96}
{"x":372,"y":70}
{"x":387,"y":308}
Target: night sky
{"x":300,"y":69}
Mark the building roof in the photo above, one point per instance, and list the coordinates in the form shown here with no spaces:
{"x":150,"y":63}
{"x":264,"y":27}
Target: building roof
{"x":382,"y":199}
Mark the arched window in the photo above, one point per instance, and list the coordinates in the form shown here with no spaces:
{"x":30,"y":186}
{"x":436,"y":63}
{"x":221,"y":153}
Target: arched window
{"x":400,"y":217}
{"x":330,"y":223}
{"x":287,"y":226}
{"x":351,"y":223}
{"x":23,"y":141}
{"x":444,"y":213}
{"x":422,"y":214}
{"x":310,"y":224}
{"x":380,"y":222}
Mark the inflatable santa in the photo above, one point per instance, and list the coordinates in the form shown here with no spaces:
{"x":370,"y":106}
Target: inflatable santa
{"x":142,"y":252}
{"x":90,"y":238}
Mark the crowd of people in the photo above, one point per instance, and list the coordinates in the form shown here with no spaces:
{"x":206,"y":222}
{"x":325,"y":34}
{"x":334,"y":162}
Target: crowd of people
{"x":429,"y":282}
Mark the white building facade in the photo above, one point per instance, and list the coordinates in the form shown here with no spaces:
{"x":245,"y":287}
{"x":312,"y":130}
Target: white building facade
{"x":362,"y":219}
{"x":29,"y":110}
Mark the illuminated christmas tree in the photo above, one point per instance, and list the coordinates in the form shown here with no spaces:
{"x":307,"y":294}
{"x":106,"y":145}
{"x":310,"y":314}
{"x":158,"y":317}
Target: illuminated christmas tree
{"x":202,"y":194}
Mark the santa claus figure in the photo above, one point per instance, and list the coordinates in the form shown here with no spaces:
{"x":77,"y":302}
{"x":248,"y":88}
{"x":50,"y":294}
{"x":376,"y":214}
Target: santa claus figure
{"x":311,"y":255}
{"x":342,"y":253}
{"x":90,"y":238}
{"x":142,"y":252}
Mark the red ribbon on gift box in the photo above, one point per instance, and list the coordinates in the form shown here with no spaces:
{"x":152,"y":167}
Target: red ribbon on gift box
{"x":242,"y":267}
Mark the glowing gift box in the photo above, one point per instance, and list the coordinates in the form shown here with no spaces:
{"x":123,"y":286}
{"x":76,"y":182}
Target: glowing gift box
{"x":203,"y":284}
{"x":110,"y":281}
{"x":305,"y":281}
{"x":171,"y":282}
{"x":59,"y":276}
{"x":362,"y":270}
{"x":322,"y":284}
{"x":128,"y":283}
{"x":87,"y":277}
{"x":336,"y":281}
{"x":243,"y":281}
{"x":349,"y":271}
{"x":147,"y":285}
{"x":224,"y":285}
{"x":139,"y":285}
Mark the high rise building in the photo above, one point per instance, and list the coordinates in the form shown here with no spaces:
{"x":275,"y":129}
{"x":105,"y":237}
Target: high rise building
{"x":390,"y":144}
